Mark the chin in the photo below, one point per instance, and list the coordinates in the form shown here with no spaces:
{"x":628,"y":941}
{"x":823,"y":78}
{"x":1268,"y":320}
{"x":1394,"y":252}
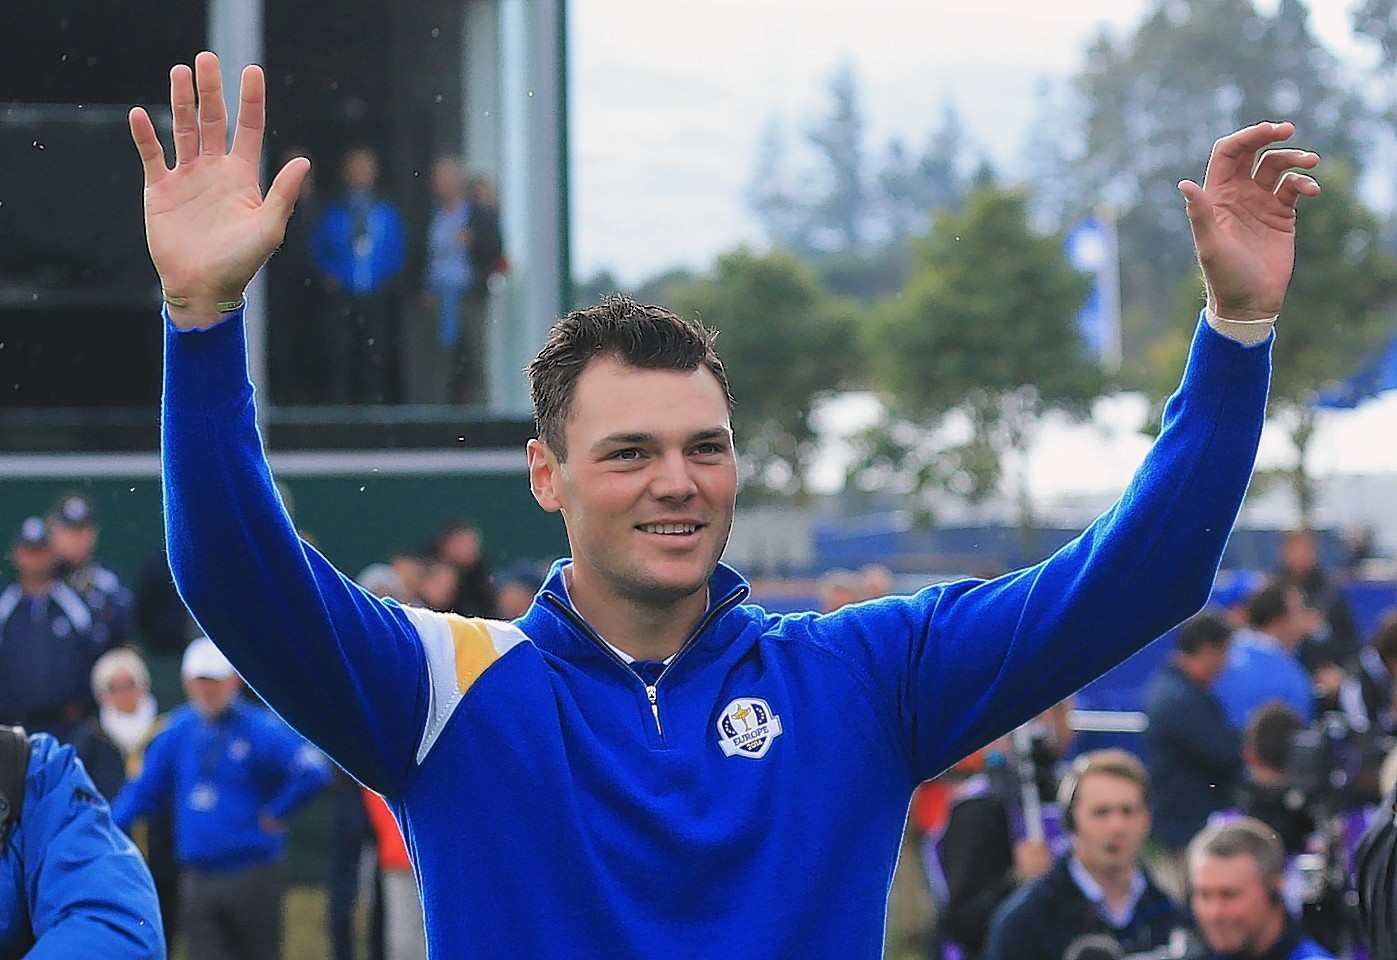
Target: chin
{"x":674,"y":589}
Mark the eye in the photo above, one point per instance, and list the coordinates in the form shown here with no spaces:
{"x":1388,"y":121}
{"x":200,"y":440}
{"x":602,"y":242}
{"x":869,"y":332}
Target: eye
{"x":710,"y":448}
{"x":627,"y":453}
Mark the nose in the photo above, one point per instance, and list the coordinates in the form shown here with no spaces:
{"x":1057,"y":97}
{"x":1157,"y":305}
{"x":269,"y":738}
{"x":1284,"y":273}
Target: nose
{"x":673,"y":478}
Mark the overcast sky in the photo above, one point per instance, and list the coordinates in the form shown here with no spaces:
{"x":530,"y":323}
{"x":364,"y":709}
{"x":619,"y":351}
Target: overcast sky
{"x":670,"y":98}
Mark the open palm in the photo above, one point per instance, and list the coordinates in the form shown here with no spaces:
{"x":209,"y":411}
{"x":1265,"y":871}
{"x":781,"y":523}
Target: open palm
{"x":208,"y":226}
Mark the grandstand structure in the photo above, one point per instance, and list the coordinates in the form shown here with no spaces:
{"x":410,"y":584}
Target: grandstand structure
{"x":80,"y":341}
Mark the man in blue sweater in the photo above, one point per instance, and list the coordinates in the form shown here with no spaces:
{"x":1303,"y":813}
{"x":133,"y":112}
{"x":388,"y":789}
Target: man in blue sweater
{"x":232,"y":773}
{"x":71,"y":883}
{"x":643,"y":763}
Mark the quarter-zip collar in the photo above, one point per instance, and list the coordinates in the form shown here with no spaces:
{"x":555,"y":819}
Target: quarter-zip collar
{"x":555,"y":626}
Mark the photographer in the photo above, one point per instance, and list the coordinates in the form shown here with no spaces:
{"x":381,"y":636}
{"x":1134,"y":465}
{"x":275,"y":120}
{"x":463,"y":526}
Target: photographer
{"x":1268,"y":746}
{"x":1001,"y":831}
{"x":1235,"y":875}
{"x":1099,"y":891}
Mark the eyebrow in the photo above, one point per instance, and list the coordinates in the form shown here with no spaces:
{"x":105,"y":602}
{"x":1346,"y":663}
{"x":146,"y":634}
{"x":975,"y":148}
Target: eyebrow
{"x":641,"y":438}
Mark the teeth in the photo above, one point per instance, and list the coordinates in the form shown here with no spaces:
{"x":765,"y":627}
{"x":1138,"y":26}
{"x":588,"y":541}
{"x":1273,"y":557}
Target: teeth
{"x":669,"y":528}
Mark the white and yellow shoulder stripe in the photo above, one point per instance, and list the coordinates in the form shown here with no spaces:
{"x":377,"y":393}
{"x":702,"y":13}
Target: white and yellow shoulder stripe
{"x":458,"y":650}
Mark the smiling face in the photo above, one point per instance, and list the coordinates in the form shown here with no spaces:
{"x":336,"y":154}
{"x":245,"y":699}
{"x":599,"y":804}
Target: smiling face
{"x":1233,"y":906}
{"x":649,"y":485}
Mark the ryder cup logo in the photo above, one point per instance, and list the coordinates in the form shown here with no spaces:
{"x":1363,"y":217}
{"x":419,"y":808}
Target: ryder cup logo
{"x":746,"y":728}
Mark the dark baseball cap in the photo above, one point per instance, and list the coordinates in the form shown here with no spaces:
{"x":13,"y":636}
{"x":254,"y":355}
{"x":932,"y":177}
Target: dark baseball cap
{"x":74,"y":510}
{"x":32,"y":533}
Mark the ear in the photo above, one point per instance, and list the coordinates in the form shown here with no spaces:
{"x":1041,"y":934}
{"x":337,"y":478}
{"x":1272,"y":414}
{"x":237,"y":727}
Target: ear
{"x":544,"y":476}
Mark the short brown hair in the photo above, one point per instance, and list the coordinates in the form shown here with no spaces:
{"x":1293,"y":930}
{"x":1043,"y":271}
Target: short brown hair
{"x":1270,"y":734}
{"x":638,"y":335}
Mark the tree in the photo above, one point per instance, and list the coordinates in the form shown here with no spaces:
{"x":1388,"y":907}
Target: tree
{"x":782,"y":214}
{"x":785,"y":343}
{"x":984,"y":335}
{"x":1153,"y":105}
{"x":1338,"y":310}
{"x":586,"y":293}
{"x":912,"y":188}
{"x":841,"y":207}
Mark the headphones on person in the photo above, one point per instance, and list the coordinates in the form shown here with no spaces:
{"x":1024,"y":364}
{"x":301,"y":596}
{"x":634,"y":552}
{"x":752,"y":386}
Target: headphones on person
{"x":1116,"y":763}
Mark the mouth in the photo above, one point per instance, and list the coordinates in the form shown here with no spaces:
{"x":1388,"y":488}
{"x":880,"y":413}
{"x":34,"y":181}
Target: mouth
{"x":670,"y":529}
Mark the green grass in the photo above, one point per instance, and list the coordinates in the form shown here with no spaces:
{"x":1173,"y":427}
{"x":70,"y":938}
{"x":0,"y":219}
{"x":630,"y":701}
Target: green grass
{"x":306,"y":937}
{"x":909,"y":916}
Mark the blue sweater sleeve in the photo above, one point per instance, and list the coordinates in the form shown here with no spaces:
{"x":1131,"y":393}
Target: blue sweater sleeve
{"x":957,"y":665}
{"x":90,"y":893}
{"x":343,"y":668}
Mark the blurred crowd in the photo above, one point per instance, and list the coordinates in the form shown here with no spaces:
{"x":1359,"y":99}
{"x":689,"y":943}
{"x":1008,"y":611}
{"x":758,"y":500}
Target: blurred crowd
{"x":207,"y":785}
{"x":1228,"y":828}
{"x":360,"y":312}
{"x":1266,"y":748}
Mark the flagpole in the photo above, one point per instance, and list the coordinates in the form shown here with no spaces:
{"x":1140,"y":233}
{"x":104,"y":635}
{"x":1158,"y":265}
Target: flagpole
{"x":1110,"y":286}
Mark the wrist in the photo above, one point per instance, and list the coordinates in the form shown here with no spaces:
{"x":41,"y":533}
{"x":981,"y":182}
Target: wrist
{"x":201,"y":311}
{"x":1248,"y":331}
{"x":1239,"y":312}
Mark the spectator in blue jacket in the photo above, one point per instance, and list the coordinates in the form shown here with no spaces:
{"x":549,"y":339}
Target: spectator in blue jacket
{"x":359,"y":250}
{"x":73,"y":533}
{"x":1190,"y":748}
{"x":47,"y":645}
{"x":232,"y":773}
{"x":73,"y":884}
{"x":1263,"y":664}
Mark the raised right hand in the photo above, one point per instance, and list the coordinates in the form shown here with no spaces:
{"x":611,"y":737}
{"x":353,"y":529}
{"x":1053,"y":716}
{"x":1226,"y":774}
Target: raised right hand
{"x":208,"y":226}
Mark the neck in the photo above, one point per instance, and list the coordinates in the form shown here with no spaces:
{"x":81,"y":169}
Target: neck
{"x":646,"y":631}
{"x":1271,"y":933}
{"x":35,"y":586}
{"x":1115,"y":882}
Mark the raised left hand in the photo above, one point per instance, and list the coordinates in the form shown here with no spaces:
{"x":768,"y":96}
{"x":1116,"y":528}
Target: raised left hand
{"x":1243,"y":219}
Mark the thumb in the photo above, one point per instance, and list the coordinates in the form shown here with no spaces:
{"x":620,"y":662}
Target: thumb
{"x":1200,"y":213}
{"x":281,"y":196}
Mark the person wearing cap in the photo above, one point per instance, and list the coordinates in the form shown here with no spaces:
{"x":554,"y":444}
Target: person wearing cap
{"x":47,"y":645}
{"x":72,"y":527}
{"x":231,"y":773}
{"x":71,"y":883}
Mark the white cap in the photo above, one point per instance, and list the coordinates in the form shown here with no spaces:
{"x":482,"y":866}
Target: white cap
{"x":203,"y":659}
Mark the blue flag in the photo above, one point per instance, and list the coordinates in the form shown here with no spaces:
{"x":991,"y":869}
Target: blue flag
{"x":1378,"y":374}
{"x":1091,"y":248}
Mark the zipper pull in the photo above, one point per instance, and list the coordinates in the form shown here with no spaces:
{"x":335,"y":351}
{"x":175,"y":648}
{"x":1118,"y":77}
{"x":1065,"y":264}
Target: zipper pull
{"x":654,"y":696}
